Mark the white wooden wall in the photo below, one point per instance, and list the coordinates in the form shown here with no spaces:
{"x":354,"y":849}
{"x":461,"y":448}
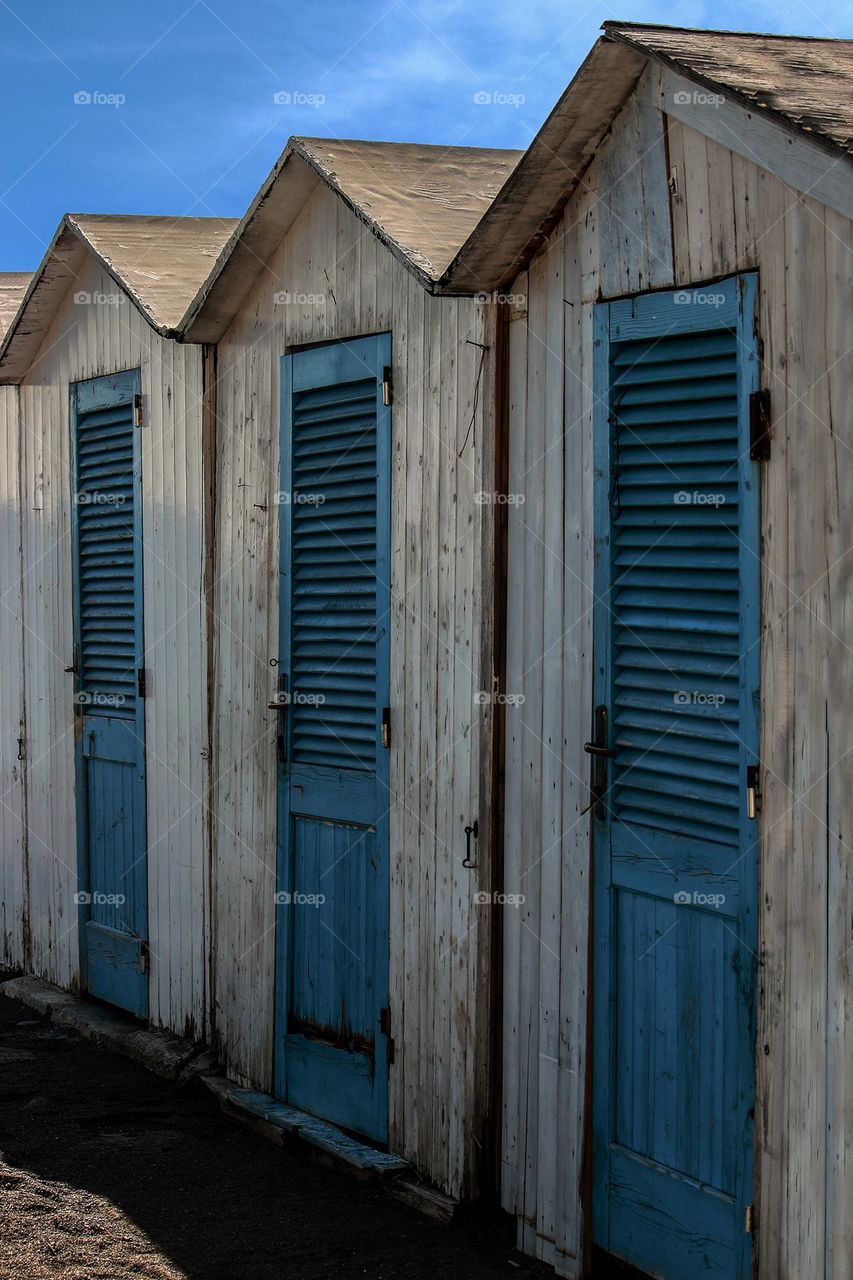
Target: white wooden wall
{"x":12,"y":869}
{"x":624,"y":233}
{"x":87,"y":340}
{"x":438,"y":962}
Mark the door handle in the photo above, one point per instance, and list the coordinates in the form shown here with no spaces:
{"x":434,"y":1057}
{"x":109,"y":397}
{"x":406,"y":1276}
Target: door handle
{"x":600,"y":753}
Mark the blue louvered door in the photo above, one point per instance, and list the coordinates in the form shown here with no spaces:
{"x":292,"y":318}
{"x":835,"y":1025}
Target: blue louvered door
{"x":333,"y":680}
{"x":109,"y":713}
{"x":674,"y":743}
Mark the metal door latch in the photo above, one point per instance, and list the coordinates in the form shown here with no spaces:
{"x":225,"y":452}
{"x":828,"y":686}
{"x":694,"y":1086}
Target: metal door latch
{"x":386,"y":727}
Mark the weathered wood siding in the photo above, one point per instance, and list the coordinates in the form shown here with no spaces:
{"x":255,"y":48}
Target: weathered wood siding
{"x":12,"y":846}
{"x":86,"y":340}
{"x":624,"y":232}
{"x":342,"y":282}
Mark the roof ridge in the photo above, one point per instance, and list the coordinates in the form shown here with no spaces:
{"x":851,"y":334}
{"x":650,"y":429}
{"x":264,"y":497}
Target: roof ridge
{"x":716,"y":31}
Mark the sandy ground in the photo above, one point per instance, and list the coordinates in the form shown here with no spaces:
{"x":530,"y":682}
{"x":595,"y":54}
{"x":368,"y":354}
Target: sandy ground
{"x":108,"y":1172}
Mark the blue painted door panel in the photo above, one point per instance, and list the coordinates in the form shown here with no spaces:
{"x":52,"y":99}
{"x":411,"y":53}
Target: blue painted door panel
{"x":107,"y":576}
{"x":677,"y":552}
{"x":332,"y":901}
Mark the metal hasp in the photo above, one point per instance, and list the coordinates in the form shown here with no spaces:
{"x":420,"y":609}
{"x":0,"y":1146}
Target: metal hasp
{"x":471,"y":833}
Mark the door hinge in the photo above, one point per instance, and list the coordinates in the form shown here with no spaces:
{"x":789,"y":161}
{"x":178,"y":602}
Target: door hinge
{"x":386,"y":385}
{"x":753,"y":791}
{"x":385,"y":1028}
{"x":140,"y":682}
{"x":137,"y":410}
{"x":749,"y":1219}
{"x":143,"y":957}
{"x":759,"y":426}
{"x":386,"y":727}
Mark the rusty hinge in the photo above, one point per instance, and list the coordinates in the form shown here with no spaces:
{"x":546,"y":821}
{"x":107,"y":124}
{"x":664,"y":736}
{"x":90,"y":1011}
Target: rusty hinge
{"x":386,"y":727}
{"x":143,"y":957}
{"x":385,"y":1028}
{"x":140,"y":682}
{"x":759,"y":426}
{"x":386,"y":385}
{"x":749,"y":1219}
{"x":137,"y":410}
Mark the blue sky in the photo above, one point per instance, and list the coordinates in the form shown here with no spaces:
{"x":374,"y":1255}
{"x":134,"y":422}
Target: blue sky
{"x":185,"y":118}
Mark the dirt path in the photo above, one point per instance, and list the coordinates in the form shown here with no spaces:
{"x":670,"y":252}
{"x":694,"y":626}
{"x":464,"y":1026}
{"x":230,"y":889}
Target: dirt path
{"x":108,"y":1172}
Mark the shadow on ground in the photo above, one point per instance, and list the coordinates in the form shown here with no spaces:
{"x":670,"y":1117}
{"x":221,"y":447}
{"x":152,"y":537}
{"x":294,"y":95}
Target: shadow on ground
{"x":108,"y":1172}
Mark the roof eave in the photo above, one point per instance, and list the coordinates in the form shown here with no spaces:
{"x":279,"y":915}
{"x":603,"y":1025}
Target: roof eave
{"x":67,"y":251}
{"x":500,"y":245}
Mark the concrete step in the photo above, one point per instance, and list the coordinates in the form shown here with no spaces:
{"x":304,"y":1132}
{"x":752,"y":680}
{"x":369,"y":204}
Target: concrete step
{"x":159,"y":1051}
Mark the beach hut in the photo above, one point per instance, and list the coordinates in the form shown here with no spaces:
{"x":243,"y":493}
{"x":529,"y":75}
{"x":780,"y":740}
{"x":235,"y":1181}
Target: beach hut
{"x":676,"y":245}
{"x":13,"y":285}
{"x":354,"y":649}
{"x":105,"y":670}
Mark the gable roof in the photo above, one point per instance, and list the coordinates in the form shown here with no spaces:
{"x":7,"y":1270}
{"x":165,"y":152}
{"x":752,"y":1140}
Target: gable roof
{"x":421,"y":201}
{"x":159,"y":263}
{"x":13,"y":286}
{"x":805,"y":84}
{"x":804,"y":80}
